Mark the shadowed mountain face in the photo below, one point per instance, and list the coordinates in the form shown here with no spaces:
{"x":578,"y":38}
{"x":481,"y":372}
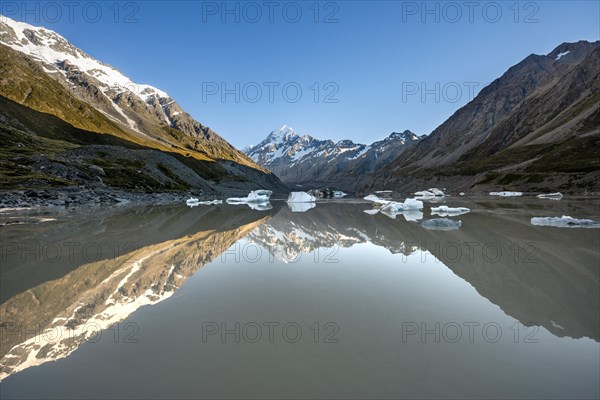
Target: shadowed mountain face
{"x":537,"y":275}
{"x":537,"y":127}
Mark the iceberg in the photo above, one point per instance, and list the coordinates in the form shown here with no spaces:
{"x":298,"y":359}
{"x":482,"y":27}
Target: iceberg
{"x":256,"y":197}
{"x":256,"y":200}
{"x":394,"y":206}
{"x":564,"y":222}
{"x":441,"y":224}
{"x":408,"y":205}
{"x":376,"y":199}
{"x":301,"y":197}
{"x":301,"y":207}
{"x":551,"y":196}
{"x":433,"y":192}
{"x":424,"y":194}
{"x":437,"y":192}
{"x":445,"y":211}
{"x":372,"y":211}
{"x":506,"y":194}
{"x":192,"y":202}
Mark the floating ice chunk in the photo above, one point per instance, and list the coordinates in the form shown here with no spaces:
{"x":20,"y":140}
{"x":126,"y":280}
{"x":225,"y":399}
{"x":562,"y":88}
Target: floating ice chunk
{"x":301,"y":207}
{"x":433,"y":192}
{"x":413,"y":204}
{"x":376,"y":199}
{"x":339,"y":194}
{"x":408,"y":205}
{"x":256,"y":196}
{"x":506,"y":194}
{"x":371,"y":212}
{"x":445,"y":211}
{"x":301,"y":197}
{"x":424,"y":194}
{"x":441,"y":224}
{"x":551,"y":196}
{"x":437,"y":192}
{"x":564,"y":222}
{"x":192,"y":202}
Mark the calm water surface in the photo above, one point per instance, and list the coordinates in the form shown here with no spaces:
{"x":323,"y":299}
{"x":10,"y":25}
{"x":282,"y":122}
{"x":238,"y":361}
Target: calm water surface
{"x":229,"y":302}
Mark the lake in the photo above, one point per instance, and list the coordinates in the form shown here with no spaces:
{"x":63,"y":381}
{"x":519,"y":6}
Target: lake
{"x":333,"y":302}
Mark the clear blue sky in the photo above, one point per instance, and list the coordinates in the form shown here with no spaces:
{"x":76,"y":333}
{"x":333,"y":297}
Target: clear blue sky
{"x":375,"y":55}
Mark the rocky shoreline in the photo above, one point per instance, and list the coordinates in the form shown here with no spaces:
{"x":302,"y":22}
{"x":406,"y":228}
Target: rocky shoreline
{"x":79,"y":196}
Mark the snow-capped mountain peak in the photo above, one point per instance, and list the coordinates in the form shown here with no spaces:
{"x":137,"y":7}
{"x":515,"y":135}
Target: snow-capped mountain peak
{"x":284,"y":133}
{"x":51,"y":48}
{"x":301,"y":159}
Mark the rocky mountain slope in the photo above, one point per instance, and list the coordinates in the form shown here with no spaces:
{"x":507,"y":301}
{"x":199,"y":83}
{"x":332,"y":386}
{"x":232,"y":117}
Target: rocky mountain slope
{"x":537,"y":127}
{"x":306,"y":161}
{"x":44,"y":72}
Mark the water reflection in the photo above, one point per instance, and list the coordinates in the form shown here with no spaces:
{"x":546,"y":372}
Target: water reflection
{"x":537,"y":275}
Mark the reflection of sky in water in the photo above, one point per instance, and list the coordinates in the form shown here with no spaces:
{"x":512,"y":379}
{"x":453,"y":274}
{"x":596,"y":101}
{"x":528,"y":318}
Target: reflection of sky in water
{"x":375,"y":298}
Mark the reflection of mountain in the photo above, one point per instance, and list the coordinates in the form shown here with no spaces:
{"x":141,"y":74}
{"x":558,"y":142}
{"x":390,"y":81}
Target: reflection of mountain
{"x":289,"y":234}
{"x":559,"y":290}
{"x":97,"y":295}
{"x":538,"y":276}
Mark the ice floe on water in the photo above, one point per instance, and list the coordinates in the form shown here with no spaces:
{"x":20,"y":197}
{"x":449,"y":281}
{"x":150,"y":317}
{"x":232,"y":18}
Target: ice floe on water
{"x":551,"y":196}
{"x":430,"y":193}
{"x":372,"y":211}
{"x":506,"y":194}
{"x":301,"y":207}
{"x":256,"y":200}
{"x":410,"y":208}
{"x":565,"y":222}
{"x":193,"y":202}
{"x":441,"y":224}
{"x":408,"y":205}
{"x":445,"y":211}
{"x":301,"y":197}
{"x":376,"y":199}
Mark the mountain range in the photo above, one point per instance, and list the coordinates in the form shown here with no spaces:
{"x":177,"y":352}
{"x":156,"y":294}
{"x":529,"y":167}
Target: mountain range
{"x":535,"y":128}
{"x":309,"y":162}
{"x":68,"y":119}
{"x":95,"y":105}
